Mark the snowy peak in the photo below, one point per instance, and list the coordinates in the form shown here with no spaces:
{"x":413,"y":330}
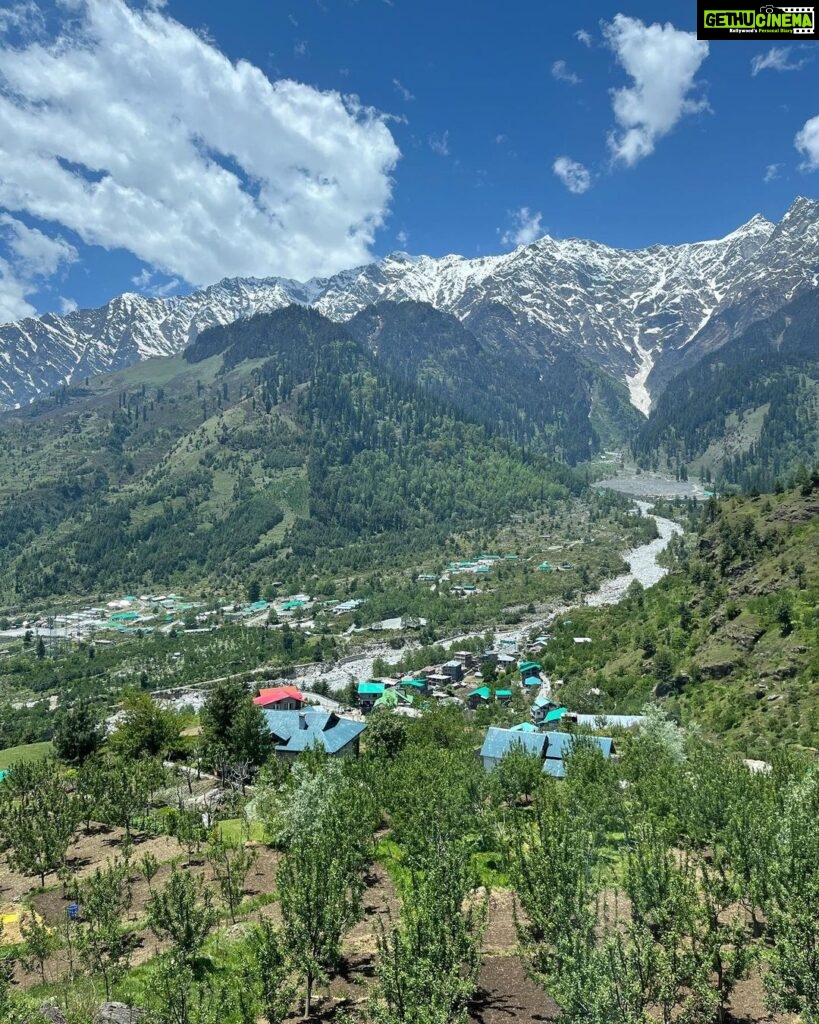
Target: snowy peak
{"x":640,"y":314}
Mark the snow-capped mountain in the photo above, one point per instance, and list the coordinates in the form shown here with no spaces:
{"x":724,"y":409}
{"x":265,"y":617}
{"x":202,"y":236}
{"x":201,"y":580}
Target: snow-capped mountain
{"x":642,"y":314}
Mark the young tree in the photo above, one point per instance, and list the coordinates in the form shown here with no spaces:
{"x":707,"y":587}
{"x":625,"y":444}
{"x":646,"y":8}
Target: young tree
{"x":429,"y":962}
{"x":125,"y":795}
{"x":230,"y":864}
{"x":90,"y":787}
{"x":104,"y":943}
{"x":320,"y":878}
{"x":40,"y":942}
{"x":38,"y":825}
{"x":266,"y":975}
{"x":183,"y":912}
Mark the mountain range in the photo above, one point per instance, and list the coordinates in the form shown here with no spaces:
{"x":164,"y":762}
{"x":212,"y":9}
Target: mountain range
{"x":640,"y":316}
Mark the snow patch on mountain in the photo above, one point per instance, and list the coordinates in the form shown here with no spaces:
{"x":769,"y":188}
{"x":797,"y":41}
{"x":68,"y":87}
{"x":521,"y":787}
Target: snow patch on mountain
{"x":640,"y":314}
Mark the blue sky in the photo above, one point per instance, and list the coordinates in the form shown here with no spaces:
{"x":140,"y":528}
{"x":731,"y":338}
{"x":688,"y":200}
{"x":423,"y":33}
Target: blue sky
{"x":155,"y":162}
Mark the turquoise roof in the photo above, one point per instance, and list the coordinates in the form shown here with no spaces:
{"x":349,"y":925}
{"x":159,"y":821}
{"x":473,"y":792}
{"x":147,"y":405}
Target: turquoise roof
{"x":302,"y":730}
{"x":556,"y":714}
{"x":529,"y":666}
{"x":482,"y":691}
{"x":503,"y":693}
{"x":524,"y":727}
{"x":532,"y":681}
{"x":370,"y":687}
{"x":542,"y":702}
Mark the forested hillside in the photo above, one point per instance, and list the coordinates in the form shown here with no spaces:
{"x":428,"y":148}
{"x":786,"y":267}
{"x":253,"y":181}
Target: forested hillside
{"x":557,"y":402}
{"x":748,"y":414}
{"x":277,"y":442}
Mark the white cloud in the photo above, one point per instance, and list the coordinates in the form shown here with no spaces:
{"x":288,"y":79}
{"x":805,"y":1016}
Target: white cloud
{"x":563,"y":73}
{"x":439,"y":144}
{"x":35,"y":253}
{"x":582,"y":36}
{"x":771,"y":172}
{"x":663,"y":62}
{"x":526,"y":227}
{"x":574,"y":175}
{"x":136,"y":133}
{"x":67,"y":305}
{"x":402,"y":237}
{"x":25,"y":17}
{"x":148,"y":284}
{"x":807,"y":142}
{"x":501,"y":138}
{"x":403,"y":90}
{"x":30,"y":257}
{"x":775,"y":59}
{"x":13,"y":292}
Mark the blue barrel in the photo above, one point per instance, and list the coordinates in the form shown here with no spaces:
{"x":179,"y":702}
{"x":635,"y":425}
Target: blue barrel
{"x":73,"y":911}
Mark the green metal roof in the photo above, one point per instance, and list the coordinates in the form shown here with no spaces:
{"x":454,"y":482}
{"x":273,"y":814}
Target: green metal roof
{"x":482,"y":691}
{"x":556,"y":714}
{"x":528,"y":666}
{"x":524,"y":727}
{"x":503,"y":693}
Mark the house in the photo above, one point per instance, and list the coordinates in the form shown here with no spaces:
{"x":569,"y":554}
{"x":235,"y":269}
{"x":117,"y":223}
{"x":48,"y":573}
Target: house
{"x":540,"y":708}
{"x":532,"y":683}
{"x":582,"y":639}
{"x":368,"y":694}
{"x":503,"y":696}
{"x":554,"y":716}
{"x":297,"y":731}
{"x":528,"y":669}
{"x":454,"y":669}
{"x":414,"y":687}
{"x":280,"y":698}
{"x":437,"y":680}
{"x":347,"y":606}
{"x":551,"y":747}
{"x":524,"y":727}
{"x":478,"y":698}
{"x":466,"y":658}
{"x":499,"y":742}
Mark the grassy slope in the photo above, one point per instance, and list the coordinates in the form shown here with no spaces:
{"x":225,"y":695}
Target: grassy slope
{"x":25,"y":752}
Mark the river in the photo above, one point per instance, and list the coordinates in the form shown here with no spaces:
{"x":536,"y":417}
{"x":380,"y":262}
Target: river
{"x":642,"y":562}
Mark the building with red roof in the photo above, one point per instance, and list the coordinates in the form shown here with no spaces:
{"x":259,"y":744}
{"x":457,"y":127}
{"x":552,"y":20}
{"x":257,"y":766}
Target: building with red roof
{"x":280,"y":698}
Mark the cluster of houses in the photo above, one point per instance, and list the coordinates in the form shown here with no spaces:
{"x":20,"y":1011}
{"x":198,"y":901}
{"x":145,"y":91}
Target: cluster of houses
{"x":297,"y":724}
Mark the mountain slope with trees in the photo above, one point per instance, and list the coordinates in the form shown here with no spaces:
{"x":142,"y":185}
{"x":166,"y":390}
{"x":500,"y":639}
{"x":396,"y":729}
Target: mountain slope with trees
{"x":748,"y":414}
{"x":278,"y":443}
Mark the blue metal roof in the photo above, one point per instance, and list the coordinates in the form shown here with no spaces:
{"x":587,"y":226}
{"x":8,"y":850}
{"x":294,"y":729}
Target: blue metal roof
{"x":500,"y":741}
{"x":302,"y":730}
{"x":561,"y":744}
{"x":554,"y":766}
{"x":524,"y":727}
